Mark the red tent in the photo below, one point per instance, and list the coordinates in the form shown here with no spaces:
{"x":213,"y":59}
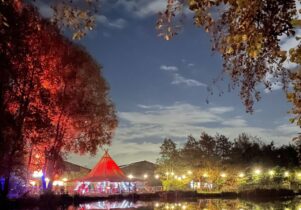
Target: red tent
{"x":105,"y":170}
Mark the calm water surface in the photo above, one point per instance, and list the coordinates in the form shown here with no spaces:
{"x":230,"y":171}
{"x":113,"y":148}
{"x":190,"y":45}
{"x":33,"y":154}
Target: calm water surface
{"x":212,"y":204}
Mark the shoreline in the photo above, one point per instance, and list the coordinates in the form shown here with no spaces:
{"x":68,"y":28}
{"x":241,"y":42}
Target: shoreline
{"x":49,"y":201}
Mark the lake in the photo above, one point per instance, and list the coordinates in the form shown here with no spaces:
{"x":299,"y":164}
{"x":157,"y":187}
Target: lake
{"x":202,"y":204}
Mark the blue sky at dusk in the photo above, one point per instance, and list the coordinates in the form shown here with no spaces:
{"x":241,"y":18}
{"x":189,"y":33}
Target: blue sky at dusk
{"x":159,"y":87}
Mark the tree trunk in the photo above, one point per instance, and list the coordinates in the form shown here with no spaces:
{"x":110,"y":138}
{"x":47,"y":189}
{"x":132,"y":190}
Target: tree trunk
{"x":6,"y":186}
{"x":28,"y":165}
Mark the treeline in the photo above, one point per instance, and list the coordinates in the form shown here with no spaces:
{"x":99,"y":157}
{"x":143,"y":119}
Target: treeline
{"x":216,"y":163}
{"x":241,"y":152}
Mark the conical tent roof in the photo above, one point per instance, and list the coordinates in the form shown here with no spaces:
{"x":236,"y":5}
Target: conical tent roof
{"x":105,"y":170}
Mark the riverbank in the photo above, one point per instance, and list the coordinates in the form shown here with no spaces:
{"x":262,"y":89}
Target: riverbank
{"x":50,"y":201}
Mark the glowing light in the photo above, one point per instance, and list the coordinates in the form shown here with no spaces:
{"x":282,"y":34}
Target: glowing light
{"x":241,"y":175}
{"x":299,"y":174}
{"x":172,"y":173}
{"x":37,"y":174}
{"x":286,"y":174}
{"x":184,"y":177}
{"x":130,"y":176}
{"x":167,"y":173}
{"x":257,"y":171}
{"x":223,"y":175}
{"x":205,"y":175}
{"x":58,"y":183}
{"x":47,"y":179}
{"x":189,"y":172}
{"x":33,"y":183}
{"x":179,"y":178}
{"x":145,"y":176}
{"x":157,"y":205}
{"x":65,"y":179}
{"x":37,"y":156}
{"x":184,"y":207}
{"x":157,"y":176}
{"x":271,"y":172}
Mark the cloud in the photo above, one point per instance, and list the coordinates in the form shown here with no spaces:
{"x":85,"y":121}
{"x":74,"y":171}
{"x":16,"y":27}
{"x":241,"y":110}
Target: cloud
{"x":221,"y":109}
{"x":122,"y":153}
{"x":190,"y":64}
{"x":235,"y":122}
{"x":44,"y":8}
{"x":141,"y":132}
{"x":178,"y":113}
{"x":150,"y":106}
{"x":155,"y":122}
{"x":179,"y":79}
{"x":288,"y":129}
{"x":181,"y":119}
{"x":142,"y":8}
{"x":117,"y":24}
{"x":275,"y":84}
{"x":169,"y":68}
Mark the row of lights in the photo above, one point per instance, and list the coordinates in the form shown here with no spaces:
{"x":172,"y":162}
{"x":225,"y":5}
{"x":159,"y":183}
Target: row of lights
{"x":55,"y":183}
{"x":145,"y":176}
{"x":173,"y":174}
{"x":172,"y":206}
{"x":178,"y":177}
{"x":39,"y":174}
{"x":157,"y":176}
{"x":223,"y":175}
{"x":240,"y":175}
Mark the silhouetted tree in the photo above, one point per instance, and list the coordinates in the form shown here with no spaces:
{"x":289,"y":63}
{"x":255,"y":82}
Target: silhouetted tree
{"x":208,"y":147}
{"x":223,"y":147}
{"x":191,"y":153}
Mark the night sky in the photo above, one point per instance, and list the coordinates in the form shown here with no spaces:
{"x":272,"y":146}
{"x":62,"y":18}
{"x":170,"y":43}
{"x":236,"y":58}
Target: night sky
{"x":159,"y":87}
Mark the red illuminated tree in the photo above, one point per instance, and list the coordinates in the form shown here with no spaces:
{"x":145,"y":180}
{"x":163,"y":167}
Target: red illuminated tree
{"x":53,"y":98}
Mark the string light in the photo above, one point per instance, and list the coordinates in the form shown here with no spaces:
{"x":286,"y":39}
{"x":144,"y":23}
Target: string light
{"x":257,"y":171}
{"x":223,"y":175}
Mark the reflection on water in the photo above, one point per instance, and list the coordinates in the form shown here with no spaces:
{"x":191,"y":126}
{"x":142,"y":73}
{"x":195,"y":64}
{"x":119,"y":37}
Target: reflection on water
{"x":213,"y":204}
{"x":112,"y":205}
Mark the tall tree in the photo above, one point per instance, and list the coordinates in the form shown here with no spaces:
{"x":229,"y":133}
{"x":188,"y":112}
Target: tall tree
{"x":83,"y":116}
{"x":223,"y":147}
{"x":169,"y":160}
{"x":53,"y":96}
{"x":208,"y":147}
{"x":23,"y":102}
{"x":191,"y":152}
{"x":77,"y":16}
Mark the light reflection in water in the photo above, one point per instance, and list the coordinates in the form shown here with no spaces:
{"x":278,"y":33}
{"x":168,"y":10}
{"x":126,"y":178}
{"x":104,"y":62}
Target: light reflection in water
{"x":111,"y":205}
{"x":213,"y":204}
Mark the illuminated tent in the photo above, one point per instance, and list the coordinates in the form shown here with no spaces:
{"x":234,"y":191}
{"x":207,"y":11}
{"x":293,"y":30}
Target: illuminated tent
{"x":105,"y":170}
{"x":106,"y":178}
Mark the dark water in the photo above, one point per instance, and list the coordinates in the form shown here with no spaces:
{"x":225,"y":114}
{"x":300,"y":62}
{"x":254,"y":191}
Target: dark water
{"x":212,"y":204}
{"x":294,"y":204}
